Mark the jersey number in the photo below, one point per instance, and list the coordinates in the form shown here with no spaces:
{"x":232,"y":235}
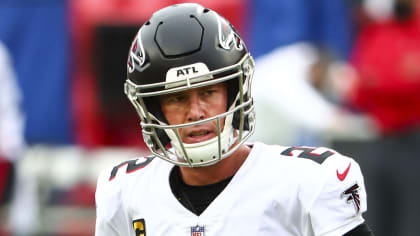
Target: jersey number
{"x":308,"y":153}
{"x":132,"y":166}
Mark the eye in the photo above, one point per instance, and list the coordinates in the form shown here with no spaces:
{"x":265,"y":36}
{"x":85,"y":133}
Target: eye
{"x":176,"y":98}
{"x":209,"y":91}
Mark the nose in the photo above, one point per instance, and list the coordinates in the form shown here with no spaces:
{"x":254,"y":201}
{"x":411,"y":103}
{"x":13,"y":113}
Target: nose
{"x":196,"y":110}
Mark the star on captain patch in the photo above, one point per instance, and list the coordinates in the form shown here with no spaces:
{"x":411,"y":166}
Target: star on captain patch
{"x":197,"y":231}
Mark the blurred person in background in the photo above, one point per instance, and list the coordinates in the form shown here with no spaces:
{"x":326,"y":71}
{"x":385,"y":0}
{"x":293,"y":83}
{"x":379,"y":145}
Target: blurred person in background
{"x":13,"y":189}
{"x":386,"y":86}
{"x":300,"y":56}
{"x":302,"y":91}
{"x":11,"y":124}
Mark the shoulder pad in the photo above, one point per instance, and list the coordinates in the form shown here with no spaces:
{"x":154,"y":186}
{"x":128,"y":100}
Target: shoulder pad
{"x":319,"y":155}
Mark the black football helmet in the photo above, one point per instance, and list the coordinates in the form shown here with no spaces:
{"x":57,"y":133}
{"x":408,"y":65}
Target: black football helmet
{"x":187,"y":46}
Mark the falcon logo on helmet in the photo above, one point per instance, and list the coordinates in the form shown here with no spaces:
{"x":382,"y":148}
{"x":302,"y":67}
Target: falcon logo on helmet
{"x":227,"y":35}
{"x":136,"y":57}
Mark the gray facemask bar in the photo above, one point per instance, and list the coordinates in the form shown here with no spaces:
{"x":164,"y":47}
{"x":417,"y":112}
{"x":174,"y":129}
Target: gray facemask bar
{"x":135,"y":94}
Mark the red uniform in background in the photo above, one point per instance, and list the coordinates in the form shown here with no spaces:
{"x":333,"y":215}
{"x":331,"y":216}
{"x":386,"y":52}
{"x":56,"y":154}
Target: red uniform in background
{"x":387,"y":58}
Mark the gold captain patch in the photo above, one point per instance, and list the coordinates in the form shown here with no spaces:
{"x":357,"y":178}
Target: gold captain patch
{"x":139,"y":227}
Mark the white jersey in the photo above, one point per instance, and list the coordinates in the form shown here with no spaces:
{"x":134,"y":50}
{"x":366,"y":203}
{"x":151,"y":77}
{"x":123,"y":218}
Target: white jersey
{"x":277,"y":191}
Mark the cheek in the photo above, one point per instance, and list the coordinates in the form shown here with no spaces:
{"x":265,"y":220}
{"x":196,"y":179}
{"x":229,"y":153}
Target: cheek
{"x":176,"y":118}
{"x":217,"y":107}
{"x":172,"y":116}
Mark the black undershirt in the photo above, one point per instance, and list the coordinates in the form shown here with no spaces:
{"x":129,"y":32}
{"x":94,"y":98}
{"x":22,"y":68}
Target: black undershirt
{"x":195,"y":198}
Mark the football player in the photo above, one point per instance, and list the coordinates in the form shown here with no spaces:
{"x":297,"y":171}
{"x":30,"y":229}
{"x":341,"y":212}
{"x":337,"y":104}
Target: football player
{"x":189,"y":78}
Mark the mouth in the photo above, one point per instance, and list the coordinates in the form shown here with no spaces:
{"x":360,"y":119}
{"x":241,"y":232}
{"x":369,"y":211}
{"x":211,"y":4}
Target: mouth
{"x":198,"y":133}
{"x":197,"y":136}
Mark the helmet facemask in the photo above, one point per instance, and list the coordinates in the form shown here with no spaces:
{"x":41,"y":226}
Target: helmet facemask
{"x":164,"y":140}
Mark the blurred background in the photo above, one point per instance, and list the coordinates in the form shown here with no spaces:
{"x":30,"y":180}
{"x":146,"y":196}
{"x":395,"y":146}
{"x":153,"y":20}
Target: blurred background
{"x":343,"y":74}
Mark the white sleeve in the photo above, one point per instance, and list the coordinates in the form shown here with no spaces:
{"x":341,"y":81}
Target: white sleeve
{"x":341,"y":201}
{"x":111,"y":218}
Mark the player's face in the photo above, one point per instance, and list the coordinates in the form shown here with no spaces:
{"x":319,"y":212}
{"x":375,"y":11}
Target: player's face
{"x":194,"y":105}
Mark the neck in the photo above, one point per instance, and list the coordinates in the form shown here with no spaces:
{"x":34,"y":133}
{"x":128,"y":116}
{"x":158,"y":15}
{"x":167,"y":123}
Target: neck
{"x":217,"y":172}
